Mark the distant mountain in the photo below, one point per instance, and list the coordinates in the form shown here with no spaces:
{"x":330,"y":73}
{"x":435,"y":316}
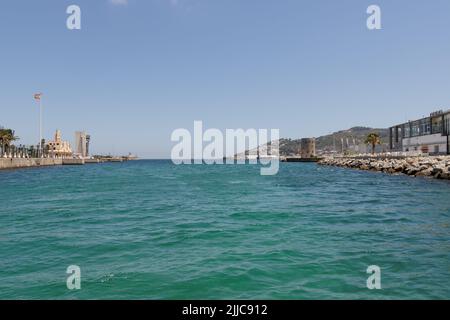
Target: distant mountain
{"x":345,"y":139}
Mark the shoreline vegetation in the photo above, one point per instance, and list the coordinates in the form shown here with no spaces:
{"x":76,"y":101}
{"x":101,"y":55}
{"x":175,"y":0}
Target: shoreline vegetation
{"x":437,"y":167}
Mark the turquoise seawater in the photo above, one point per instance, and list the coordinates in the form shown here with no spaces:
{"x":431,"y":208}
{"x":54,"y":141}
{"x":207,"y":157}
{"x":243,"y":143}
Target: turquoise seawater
{"x":153,"y":230}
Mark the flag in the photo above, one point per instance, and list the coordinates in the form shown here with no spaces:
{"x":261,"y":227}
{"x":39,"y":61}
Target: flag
{"x":37,"y":96}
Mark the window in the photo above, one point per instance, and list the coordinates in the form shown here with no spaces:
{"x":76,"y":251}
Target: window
{"x":437,"y":125}
{"x":415,"y":129}
{"x":426,"y":127}
{"x":407,"y":132}
{"x":436,"y":149}
{"x":447,"y":124}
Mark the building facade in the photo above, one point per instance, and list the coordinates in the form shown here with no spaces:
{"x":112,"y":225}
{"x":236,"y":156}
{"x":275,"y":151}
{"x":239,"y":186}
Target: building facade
{"x":58,"y":148}
{"x":427,"y":135}
{"x":82,"y":141}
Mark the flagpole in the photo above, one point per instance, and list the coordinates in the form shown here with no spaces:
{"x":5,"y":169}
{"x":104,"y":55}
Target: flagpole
{"x":38,"y":96}
{"x":40,"y":126}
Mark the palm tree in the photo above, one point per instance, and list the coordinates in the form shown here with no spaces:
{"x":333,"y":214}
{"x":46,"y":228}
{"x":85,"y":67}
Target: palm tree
{"x":373,"y":139}
{"x":2,"y":140}
{"x":6,"y":137}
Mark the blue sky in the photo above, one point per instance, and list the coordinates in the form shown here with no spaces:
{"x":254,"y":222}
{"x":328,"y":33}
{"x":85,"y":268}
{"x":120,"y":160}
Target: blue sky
{"x":138,"y":70}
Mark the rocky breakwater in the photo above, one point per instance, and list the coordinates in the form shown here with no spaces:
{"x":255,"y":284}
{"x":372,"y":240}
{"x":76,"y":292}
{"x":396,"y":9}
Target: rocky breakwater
{"x":430,"y":166}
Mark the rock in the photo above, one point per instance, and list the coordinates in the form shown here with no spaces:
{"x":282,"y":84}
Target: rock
{"x":425,"y":172}
{"x":443,"y":175}
{"x":438,"y":167}
{"x":391,"y":170}
{"x":412,"y":171}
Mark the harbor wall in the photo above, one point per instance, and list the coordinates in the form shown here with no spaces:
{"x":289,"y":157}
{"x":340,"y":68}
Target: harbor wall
{"x":12,"y":163}
{"x":73,"y":162}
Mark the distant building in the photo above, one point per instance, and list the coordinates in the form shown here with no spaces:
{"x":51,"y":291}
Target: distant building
{"x":360,"y":148}
{"x":58,"y":148}
{"x":308,"y":147}
{"x":82,"y":141}
{"x":426,"y":135}
{"x":88,"y":141}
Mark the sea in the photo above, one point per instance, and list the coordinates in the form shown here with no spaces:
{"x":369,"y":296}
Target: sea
{"x":150,"y":229}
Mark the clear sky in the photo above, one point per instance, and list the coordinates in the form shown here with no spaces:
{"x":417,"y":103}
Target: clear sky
{"x":139,"y":69}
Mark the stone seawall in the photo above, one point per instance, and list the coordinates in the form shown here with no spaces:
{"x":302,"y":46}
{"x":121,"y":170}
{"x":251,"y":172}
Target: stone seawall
{"x":73,"y":162}
{"x":8,"y":163}
{"x":435,"y":167}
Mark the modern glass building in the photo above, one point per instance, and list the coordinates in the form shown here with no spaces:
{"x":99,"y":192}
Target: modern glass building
{"x":427,"y":135}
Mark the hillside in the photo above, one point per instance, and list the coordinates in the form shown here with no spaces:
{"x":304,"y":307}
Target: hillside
{"x":350,"y":139}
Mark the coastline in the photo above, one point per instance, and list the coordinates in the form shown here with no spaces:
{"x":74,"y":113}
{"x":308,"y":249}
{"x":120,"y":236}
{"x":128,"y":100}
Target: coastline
{"x":437,"y":167}
{"x":17,"y":163}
